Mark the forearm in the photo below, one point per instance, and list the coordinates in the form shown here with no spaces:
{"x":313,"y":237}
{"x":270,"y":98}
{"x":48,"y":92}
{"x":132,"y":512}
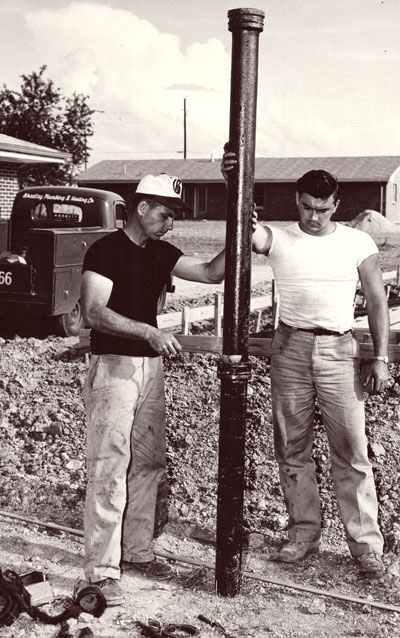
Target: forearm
{"x":379,"y":326}
{"x":215,"y":269}
{"x":105,"y":320}
{"x":111,"y":323}
{"x":206,"y":272}
{"x":261,"y":241}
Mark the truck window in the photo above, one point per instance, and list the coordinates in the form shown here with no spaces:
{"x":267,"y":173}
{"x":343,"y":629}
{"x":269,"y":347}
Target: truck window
{"x":59,"y":212}
{"x":67,"y":212}
{"x":39,"y":212}
{"x":120,"y":215}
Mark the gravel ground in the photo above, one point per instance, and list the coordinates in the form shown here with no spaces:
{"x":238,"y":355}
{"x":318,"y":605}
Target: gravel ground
{"x":42,"y":469}
{"x":42,"y":475}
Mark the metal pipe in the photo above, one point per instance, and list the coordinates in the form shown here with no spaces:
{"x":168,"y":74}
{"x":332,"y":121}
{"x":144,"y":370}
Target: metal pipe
{"x":330,"y":593}
{"x":234,"y":368}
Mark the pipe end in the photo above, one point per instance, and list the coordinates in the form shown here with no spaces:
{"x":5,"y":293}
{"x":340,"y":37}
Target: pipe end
{"x":246,"y":19}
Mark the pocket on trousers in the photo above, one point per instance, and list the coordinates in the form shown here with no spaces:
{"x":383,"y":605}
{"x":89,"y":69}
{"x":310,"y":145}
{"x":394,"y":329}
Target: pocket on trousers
{"x":111,"y":370}
{"x":344,"y":348}
{"x":350,"y":347}
{"x":278,"y":343}
{"x":356,"y":348}
{"x":92,"y":371}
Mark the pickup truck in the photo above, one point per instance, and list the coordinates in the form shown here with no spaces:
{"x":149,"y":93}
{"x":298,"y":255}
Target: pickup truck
{"x":41,"y":253}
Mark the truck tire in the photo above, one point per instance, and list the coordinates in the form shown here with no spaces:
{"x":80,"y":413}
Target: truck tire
{"x":70,"y":323}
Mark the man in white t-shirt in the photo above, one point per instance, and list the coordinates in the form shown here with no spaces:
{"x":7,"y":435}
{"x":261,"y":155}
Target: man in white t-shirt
{"x":317,"y":264}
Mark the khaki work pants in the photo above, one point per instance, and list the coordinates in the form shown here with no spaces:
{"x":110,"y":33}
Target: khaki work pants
{"x":125,"y":405}
{"x":305,"y":367}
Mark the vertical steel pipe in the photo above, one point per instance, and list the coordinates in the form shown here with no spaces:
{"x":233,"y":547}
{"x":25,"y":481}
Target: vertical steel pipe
{"x":234,"y":368}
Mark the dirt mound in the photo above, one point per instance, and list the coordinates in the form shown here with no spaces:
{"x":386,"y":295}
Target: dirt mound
{"x":373,"y":223}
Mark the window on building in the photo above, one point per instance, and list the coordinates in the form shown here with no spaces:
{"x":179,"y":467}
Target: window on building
{"x":259,"y":197}
{"x":188,"y":198}
{"x":201,"y":199}
{"x":394,"y":193}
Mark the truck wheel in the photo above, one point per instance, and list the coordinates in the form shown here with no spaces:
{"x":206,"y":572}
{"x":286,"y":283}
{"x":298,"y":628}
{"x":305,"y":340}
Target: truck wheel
{"x":70,"y":323}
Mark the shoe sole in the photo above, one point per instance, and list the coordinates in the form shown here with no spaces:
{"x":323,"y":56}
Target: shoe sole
{"x":279,"y":559}
{"x":128,"y":566}
{"x":152,"y":576}
{"x":131,"y":567}
{"x":372,"y":575}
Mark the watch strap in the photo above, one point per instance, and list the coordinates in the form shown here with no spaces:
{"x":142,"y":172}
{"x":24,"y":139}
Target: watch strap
{"x":381,"y":358}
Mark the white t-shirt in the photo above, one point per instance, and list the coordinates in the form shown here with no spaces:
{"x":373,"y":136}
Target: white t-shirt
{"x":316,"y":276}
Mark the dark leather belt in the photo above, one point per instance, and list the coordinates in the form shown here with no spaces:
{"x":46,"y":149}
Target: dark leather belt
{"x":316,"y":331}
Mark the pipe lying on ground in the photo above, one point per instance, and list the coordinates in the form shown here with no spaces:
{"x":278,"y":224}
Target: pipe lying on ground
{"x":197,"y":563}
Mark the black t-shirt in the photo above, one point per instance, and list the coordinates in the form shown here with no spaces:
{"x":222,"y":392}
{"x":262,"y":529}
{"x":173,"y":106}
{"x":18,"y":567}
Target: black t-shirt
{"x":138,"y":275}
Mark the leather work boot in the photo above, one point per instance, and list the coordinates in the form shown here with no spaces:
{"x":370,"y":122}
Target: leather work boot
{"x":110,"y":588}
{"x":293,"y":552}
{"x":152,"y":569}
{"x":371,"y":565}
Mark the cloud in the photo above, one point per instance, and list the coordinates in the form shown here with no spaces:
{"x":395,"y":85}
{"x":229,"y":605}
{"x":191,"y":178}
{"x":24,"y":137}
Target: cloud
{"x":136,"y":74}
{"x":324,"y":78}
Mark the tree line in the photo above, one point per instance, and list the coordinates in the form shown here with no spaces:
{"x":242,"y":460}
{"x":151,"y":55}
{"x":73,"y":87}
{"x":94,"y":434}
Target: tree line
{"x":39,"y":113}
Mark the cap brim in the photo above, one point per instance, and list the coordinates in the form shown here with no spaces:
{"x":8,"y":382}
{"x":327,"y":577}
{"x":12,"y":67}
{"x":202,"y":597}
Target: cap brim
{"x":176,"y":203}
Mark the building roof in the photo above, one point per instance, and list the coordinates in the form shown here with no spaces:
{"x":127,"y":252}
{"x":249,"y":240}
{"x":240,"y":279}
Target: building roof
{"x":18,"y":151}
{"x":378,"y":168}
{"x":267,"y":169}
{"x":189,"y":170}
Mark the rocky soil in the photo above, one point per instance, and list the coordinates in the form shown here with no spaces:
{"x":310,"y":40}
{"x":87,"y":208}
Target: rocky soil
{"x":42,"y":474}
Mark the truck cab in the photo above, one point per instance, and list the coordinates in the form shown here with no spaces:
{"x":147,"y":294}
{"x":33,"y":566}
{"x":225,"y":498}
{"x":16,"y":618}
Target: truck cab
{"x":42,"y":250}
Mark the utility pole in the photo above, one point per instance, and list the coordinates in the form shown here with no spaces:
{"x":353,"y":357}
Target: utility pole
{"x":234,"y":368}
{"x":184,"y":128}
{"x":86,"y":149}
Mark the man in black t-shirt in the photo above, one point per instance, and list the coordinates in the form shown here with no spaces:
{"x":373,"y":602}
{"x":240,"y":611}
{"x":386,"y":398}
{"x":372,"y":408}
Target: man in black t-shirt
{"x":123,"y":276}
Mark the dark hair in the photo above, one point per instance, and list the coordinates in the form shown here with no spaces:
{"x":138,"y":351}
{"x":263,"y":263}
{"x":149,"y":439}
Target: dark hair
{"x":320,"y":184}
{"x":142,"y":197}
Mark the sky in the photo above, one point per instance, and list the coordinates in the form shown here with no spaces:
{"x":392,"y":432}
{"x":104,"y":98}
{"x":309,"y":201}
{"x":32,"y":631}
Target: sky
{"x":328,"y":73}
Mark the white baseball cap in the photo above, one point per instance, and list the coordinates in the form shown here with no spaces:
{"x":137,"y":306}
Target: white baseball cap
{"x":165,"y":189}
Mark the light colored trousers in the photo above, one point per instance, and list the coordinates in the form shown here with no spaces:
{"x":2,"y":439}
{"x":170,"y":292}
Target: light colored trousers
{"x":305,"y":367}
{"x":125,"y":405}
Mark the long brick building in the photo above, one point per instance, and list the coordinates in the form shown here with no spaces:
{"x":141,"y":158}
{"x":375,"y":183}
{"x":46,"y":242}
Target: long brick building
{"x":371,"y":182}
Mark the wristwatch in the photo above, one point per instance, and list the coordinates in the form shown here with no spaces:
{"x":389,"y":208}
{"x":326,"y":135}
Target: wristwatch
{"x":381,"y":358}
